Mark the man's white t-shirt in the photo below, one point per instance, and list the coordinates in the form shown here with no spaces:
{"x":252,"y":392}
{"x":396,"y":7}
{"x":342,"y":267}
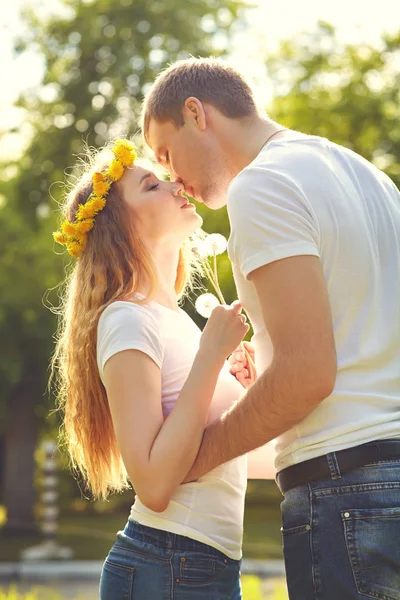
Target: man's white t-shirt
{"x":305,"y":195}
{"x":210,"y":509}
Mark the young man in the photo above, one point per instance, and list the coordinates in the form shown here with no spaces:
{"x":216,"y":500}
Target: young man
{"x":315,"y":249}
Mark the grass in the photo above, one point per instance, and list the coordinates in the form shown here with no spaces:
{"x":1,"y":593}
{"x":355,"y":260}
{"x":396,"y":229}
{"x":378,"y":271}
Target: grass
{"x":35,"y":593}
{"x":253,"y":589}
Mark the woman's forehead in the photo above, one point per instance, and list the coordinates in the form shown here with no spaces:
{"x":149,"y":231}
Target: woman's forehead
{"x":137,"y":172}
{"x":144,"y":165}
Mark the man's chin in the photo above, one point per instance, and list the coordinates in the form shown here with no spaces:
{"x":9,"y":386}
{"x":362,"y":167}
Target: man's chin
{"x":214,"y":202}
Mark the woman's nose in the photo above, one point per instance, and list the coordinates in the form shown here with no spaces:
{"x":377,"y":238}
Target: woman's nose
{"x":178,"y":187}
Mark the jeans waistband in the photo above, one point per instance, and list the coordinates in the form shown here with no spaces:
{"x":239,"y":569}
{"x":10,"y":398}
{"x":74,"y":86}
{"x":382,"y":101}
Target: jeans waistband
{"x":168,"y":540}
{"x":333,"y":464}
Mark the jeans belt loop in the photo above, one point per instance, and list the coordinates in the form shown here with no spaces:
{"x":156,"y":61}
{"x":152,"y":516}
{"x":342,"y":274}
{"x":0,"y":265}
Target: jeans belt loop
{"x":333,"y":464}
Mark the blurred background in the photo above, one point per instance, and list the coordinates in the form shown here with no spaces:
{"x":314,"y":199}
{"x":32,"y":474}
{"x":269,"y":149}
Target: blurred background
{"x":74,"y":72}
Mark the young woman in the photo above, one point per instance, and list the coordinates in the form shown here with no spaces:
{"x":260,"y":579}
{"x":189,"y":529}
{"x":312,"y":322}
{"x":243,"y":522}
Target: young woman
{"x":139,"y":382}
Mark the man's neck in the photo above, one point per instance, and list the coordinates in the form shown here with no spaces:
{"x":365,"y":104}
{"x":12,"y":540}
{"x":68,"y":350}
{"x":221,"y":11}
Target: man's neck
{"x":244,"y":141}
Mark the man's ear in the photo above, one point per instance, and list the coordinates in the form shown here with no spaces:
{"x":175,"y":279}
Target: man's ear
{"x":193,"y":112}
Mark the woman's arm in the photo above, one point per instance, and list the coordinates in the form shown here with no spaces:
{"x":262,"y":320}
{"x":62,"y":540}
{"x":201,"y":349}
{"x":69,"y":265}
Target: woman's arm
{"x":158,"y":454}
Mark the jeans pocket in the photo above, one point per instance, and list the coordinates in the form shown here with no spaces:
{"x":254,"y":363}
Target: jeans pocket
{"x":117,"y":576}
{"x":298,"y":561}
{"x":294,"y":530}
{"x":373,"y":545}
{"x":197,"y":569}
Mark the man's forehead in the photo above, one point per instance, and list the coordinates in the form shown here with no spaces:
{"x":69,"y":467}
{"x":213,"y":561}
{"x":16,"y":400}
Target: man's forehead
{"x":159,"y":134}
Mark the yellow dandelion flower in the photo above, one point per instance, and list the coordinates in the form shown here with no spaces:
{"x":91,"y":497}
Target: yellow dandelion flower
{"x":88,"y":211}
{"x":74,"y":248}
{"x":68,"y":228}
{"x":80,"y":237}
{"x":97,"y":177}
{"x":84,"y":211}
{"x":115,"y":170}
{"x":60,"y":237}
{"x":101,"y":188}
{"x":125,"y":152}
{"x":84,"y":226}
{"x":96,"y":205}
{"x":124,"y":143}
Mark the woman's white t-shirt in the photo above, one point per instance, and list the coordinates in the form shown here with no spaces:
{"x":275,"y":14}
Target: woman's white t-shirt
{"x":210,"y":509}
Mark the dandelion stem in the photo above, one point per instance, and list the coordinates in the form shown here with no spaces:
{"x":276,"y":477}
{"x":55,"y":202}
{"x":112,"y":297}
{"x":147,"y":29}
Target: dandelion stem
{"x":213,"y":277}
{"x":215,"y":266}
{"x":214,"y":281}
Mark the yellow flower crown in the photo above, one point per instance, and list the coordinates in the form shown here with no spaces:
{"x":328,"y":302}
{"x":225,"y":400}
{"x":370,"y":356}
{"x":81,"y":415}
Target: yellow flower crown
{"x":74,"y":235}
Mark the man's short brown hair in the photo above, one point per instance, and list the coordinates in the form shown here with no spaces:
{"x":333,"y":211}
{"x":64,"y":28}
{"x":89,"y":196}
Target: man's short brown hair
{"x":208,"y":79}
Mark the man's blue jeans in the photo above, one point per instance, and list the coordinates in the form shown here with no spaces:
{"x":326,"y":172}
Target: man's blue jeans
{"x":341,"y":536}
{"x":150,"y":564}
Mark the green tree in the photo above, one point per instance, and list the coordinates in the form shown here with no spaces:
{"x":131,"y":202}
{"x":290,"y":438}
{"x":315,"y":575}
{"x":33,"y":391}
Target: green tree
{"x":99,"y":57}
{"x":348,"y":93}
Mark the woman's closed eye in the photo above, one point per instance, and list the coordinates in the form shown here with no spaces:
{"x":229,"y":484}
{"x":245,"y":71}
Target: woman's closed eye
{"x":153,"y":187}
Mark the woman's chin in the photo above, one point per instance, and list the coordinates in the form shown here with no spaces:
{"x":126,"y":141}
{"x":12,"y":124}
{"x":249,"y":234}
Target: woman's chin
{"x":196,"y":223}
{"x":199,"y":220}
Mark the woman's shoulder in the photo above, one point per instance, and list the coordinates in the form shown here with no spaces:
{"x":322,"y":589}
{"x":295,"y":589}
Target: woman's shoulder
{"x":125,"y":325}
{"x":127,"y":311}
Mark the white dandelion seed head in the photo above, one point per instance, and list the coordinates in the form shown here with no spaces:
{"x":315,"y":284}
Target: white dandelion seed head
{"x":215,"y":242}
{"x":199,"y":249}
{"x":205,"y":304}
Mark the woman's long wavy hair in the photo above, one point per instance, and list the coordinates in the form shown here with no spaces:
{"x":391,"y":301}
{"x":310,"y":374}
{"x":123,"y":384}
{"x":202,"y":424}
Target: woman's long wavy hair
{"x":112,"y":267}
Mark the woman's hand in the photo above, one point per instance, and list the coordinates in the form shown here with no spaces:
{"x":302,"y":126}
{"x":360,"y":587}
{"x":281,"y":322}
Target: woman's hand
{"x":224,"y":331}
{"x":240,"y":366}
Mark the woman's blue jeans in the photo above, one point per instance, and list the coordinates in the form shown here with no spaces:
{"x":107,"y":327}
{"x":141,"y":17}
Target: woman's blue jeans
{"x":341,"y":536}
{"x":150,"y":564}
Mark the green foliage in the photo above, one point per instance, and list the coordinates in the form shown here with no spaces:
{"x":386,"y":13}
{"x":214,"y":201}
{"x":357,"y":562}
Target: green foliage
{"x":348,"y":93}
{"x":27,"y":269}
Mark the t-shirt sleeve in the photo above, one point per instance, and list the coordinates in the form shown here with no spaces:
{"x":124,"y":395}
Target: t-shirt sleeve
{"x":127,"y":326}
{"x":270,"y":220}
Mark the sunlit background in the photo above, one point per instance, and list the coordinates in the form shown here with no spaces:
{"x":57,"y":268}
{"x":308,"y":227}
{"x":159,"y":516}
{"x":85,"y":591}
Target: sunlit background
{"x":266,"y":24}
{"x":326,"y":68}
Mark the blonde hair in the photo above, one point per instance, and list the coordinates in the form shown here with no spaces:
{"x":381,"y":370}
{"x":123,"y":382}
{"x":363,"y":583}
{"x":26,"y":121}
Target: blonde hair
{"x":112,"y":266}
{"x":209,"y":80}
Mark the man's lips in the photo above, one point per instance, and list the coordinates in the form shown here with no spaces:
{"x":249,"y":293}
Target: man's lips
{"x":189,"y":190}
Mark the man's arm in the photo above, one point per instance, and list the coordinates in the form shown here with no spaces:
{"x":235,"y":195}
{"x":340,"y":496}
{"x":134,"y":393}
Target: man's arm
{"x":294,"y":300}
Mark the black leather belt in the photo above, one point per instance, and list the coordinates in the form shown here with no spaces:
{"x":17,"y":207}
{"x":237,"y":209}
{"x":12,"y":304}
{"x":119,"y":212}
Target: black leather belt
{"x":346,"y":460}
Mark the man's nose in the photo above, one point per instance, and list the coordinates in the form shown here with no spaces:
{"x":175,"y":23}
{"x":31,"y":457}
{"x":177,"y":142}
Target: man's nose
{"x":178,"y":181}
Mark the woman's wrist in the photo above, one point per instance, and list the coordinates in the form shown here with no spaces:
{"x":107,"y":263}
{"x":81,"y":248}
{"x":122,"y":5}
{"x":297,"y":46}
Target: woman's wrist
{"x":210,"y":360}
